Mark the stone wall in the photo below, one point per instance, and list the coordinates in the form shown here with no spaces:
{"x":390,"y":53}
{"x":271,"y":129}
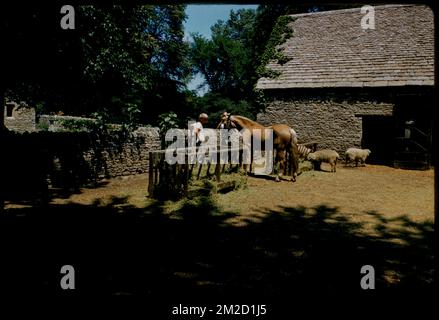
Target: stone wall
{"x":70,"y":160}
{"x":111,"y":153}
{"x":335,"y":121}
{"x":123,"y":153}
{"x":22,"y":119}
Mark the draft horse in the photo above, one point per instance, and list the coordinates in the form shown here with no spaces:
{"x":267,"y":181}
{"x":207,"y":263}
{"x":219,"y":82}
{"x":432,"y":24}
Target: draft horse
{"x":284,"y":141}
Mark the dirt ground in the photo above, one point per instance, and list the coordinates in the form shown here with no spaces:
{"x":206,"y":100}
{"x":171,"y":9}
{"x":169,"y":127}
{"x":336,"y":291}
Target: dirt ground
{"x":132,"y":188}
{"x":357,"y":193}
{"x":266,"y":237}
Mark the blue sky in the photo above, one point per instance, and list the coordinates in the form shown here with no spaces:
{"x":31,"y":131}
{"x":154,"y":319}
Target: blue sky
{"x":200,"y":19}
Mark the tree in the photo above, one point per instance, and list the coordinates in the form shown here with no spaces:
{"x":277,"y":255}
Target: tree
{"x":40,"y":56}
{"x":121,"y":61}
{"x":229,"y":61}
{"x":224,"y":59}
{"x":215,"y":103}
{"x":140,"y":55}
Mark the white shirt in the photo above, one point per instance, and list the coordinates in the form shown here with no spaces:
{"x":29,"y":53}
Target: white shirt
{"x":200,"y":136}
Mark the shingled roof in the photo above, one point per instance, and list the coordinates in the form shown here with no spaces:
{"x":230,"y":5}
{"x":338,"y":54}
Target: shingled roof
{"x":330,"y":49}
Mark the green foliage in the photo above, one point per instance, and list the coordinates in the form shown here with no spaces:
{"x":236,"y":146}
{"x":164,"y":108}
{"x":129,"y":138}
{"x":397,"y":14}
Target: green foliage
{"x":102,"y":119}
{"x":76,"y":125}
{"x":168,"y":121}
{"x":215,"y":103}
{"x":135,"y":59}
{"x":260,"y":97}
{"x":225,"y":59}
{"x":121,"y":60}
{"x":129,"y":63}
{"x":42,"y":126}
{"x":281,"y":32}
{"x":39,"y":107}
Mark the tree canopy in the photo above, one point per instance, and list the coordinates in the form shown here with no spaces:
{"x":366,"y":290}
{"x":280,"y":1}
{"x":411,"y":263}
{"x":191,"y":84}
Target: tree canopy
{"x":119,"y":61}
{"x":130,"y":64}
{"x":232,"y":60}
{"x":224,"y":59}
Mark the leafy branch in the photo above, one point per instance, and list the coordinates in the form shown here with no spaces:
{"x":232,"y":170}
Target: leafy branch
{"x":280,"y":34}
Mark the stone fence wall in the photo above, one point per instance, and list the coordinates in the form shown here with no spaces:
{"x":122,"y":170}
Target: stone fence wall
{"x":122,"y":153}
{"x":69,"y":160}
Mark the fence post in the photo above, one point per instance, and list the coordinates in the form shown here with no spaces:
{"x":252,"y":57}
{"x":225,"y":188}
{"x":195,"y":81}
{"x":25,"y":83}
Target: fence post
{"x":151,"y":174}
{"x":186,"y":176}
{"x":218,"y":165}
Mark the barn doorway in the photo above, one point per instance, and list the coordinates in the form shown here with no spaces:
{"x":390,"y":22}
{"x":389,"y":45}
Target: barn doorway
{"x":379,"y":136}
{"x":413,"y":114}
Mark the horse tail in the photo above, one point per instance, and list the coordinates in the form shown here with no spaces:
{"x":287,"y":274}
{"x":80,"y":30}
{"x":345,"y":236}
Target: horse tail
{"x":293,"y":154}
{"x":293,"y":136}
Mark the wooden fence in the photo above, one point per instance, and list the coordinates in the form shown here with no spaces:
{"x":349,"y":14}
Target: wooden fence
{"x":171,"y":181}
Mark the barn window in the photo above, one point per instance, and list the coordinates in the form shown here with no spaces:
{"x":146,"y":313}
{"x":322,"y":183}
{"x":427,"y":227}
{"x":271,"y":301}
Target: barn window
{"x":9,"y":110}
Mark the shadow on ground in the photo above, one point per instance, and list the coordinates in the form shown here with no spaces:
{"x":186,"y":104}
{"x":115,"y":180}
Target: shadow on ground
{"x":119,"y":249}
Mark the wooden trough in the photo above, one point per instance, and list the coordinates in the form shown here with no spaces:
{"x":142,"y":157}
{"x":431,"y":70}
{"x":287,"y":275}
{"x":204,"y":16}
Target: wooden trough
{"x":171,"y":181}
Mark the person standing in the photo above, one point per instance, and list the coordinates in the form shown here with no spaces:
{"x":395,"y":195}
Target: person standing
{"x":222,"y":124}
{"x":198,"y":133}
{"x":198,"y":129}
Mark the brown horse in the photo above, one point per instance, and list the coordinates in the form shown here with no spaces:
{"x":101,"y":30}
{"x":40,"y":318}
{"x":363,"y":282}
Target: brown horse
{"x":284,"y":140}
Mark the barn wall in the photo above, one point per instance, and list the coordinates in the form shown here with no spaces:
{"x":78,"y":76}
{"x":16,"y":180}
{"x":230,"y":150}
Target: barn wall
{"x":23,"y":118}
{"x":333,"y":120}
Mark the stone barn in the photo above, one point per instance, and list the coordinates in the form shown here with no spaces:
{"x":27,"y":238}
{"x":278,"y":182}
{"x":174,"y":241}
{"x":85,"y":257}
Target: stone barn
{"x":19,"y":117}
{"x":345,"y":86}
